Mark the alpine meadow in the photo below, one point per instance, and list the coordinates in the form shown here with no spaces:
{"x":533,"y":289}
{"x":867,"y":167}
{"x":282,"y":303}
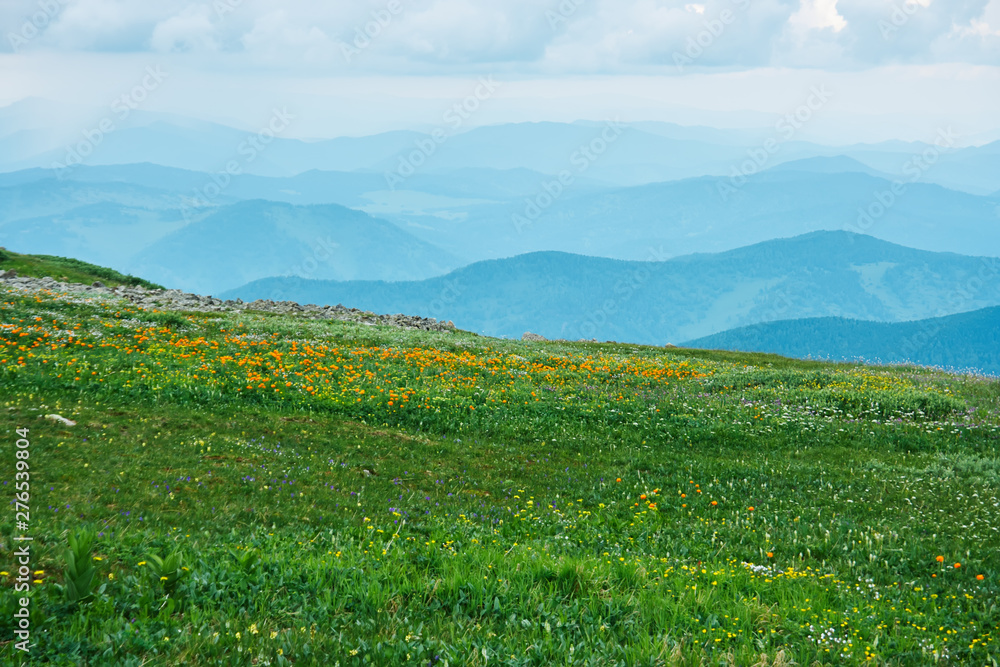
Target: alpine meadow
{"x":452,"y":333}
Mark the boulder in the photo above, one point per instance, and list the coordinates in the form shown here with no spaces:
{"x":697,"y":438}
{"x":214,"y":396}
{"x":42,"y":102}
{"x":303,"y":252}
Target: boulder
{"x":533,"y":337}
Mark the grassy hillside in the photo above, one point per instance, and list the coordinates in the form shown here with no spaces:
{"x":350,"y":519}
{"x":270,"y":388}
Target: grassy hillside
{"x":66,"y":270}
{"x":967,"y":341}
{"x":269,"y":490}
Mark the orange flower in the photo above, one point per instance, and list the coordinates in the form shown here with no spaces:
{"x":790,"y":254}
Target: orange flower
{"x":714,"y":503}
{"x":683,"y":495}
{"x":940,"y":559}
{"x":750,"y":508}
{"x":619,"y":479}
{"x":770,"y":554}
{"x":958,"y":565}
{"x":979,"y":577}
{"x":642,"y":497}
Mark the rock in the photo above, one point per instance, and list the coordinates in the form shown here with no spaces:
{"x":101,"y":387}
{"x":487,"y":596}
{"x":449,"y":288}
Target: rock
{"x":670,"y":346}
{"x":97,"y":283}
{"x":60,"y":419}
{"x":533,"y":337}
{"x":7,"y":275}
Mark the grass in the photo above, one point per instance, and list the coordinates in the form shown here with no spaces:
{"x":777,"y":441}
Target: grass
{"x":67,"y":270}
{"x":270,"y":490}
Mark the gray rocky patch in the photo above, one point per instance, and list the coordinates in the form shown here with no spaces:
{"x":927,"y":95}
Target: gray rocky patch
{"x":169,"y":299}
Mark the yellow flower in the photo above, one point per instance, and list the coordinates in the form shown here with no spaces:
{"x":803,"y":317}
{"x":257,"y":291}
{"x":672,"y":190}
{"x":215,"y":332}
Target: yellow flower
{"x":37,"y":572}
{"x":111,"y":575}
{"x":141,"y":563}
{"x":253,"y":629}
{"x":238,"y":635}
{"x":164,"y":578}
{"x":273,"y":634}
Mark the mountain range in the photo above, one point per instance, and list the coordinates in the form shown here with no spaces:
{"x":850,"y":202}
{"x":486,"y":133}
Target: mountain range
{"x":967,"y":341}
{"x":643,"y":152}
{"x":560,"y":295}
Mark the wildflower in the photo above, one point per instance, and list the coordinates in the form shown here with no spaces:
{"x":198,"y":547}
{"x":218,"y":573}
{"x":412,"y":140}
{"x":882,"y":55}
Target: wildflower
{"x":770,"y":554}
{"x":619,"y":479}
{"x":714,"y":503}
{"x":958,"y":565}
{"x":111,"y":576}
{"x":164,"y":578}
{"x":750,"y":508}
{"x":642,"y":497}
{"x":979,"y":577}
{"x":940,"y":559}
{"x":141,"y":563}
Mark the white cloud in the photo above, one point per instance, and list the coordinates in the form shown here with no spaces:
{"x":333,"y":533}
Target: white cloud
{"x":817,"y":15}
{"x":190,"y":30}
{"x":276,"y":39}
{"x":572,"y":36}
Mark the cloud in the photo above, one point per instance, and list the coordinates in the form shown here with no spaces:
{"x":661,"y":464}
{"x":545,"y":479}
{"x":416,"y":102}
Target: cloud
{"x":572,"y":36}
{"x":190,"y":30}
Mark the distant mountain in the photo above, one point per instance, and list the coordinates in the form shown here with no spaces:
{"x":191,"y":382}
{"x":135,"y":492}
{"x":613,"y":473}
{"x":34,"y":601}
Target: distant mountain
{"x":32,"y":135}
{"x":967,"y":341}
{"x":712,"y":214}
{"x":352,"y":189}
{"x":570,"y":296}
{"x":252,"y":239}
{"x":104,"y":233}
{"x":838,"y":164}
{"x":50,"y":196}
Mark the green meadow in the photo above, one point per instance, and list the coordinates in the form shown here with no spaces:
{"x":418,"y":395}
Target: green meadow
{"x":249,"y":489}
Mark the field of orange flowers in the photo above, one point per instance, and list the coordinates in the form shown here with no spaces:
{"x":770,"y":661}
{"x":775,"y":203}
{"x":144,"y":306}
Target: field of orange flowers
{"x":277,"y":490}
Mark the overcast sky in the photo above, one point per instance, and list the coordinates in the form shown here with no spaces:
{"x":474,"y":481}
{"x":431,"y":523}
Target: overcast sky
{"x":895,"y":67}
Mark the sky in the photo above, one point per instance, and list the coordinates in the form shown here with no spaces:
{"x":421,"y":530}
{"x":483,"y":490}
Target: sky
{"x":895,"y":68}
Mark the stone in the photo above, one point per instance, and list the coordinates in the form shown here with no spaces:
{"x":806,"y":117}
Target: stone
{"x":533,"y":337}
